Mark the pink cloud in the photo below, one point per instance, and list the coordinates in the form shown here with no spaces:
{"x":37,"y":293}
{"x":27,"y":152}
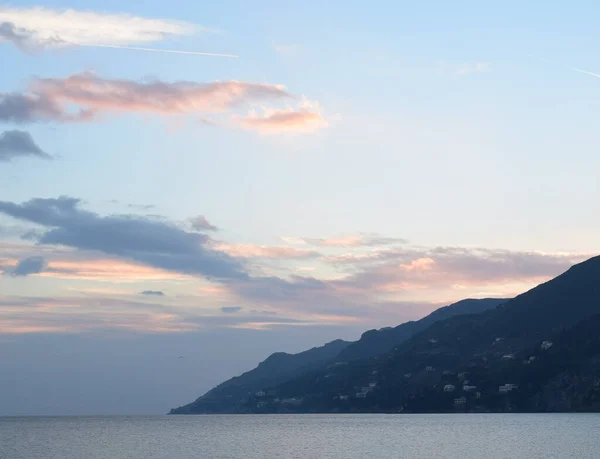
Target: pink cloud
{"x":98,"y":94}
{"x":85,"y":96}
{"x":265,"y":251}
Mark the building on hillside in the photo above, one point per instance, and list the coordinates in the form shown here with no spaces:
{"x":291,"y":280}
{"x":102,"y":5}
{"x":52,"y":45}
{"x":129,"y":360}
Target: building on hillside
{"x":430,"y":368}
{"x":506,"y":388}
{"x":260,"y":393}
{"x":467,"y":388}
{"x":546,"y":345}
{"x":291,"y":401}
{"x":449,"y":388}
{"x":459,"y":402}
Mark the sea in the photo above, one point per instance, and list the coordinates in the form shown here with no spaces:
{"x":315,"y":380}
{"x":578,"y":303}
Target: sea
{"x":362,"y":436}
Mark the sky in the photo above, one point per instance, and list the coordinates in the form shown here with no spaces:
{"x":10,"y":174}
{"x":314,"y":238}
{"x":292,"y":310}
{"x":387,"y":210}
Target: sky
{"x":185,"y":190}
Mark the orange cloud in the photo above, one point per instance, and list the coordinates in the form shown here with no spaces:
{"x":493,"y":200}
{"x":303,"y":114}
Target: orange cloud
{"x":420,"y":264}
{"x":277,"y":121}
{"x":107,"y":269}
{"x":103,"y":269}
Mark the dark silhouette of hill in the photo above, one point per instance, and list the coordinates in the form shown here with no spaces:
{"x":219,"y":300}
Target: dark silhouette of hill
{"x":376,"y":342}
{"x":275,"y":369}
{"x":281,"y":367}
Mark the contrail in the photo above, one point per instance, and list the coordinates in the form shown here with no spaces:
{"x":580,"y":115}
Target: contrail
{"x":155,"y":50}
{"x":597,"y":75}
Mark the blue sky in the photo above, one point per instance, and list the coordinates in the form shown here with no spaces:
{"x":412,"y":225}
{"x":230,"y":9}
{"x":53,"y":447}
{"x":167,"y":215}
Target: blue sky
{"x":363,"y":163}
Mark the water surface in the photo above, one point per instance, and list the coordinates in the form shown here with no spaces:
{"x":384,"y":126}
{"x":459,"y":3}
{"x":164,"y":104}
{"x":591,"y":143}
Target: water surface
{"x":490,"y":436}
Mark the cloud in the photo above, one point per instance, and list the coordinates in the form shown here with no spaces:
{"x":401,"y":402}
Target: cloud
{"x":37,"y":27}
{"x":476,"y":67}
{"x":586,"y":72}
{"x":31,"y":108}
{"x":285,"y":121}
{"x":201,"y":223}
{"x":306,"y":118}
{"x":265,"y":251}
{"x":101,"y":94}
{"x":84,"y":97}
{"x":377,"y":283}
{"x":446,"y":267}
{"x":53,"y":99}
{"x":78,"y":314}
{"x":141,"y":206}
{"x":27,"y":266}
{"x":151,"y":242}
{"x":21,"y":38}
{"x":352,"y":240}
{"x":167,"y":51}
{"x":113,"y":270}
{"x":152,"y":293}
{"x":98,"y":313}
{"x":15,"y":144}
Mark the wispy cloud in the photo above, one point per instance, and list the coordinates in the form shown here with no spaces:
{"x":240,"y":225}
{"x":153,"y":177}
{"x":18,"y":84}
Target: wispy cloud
{"x":265,"y":251}
{"x":167,"y":51}
{"x":597,"y":75}
{"x":575,"y":69}
{"x":38,"y":28}
{"x":348,"y":240}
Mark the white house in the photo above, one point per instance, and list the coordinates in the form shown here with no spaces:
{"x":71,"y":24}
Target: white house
{"x":461,"y":401}
{"x":504,"y":389}
{"x":449,"y":388}
{"x":546,"y":345}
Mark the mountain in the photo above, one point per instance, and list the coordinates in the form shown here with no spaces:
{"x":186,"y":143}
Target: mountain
{"x":482,"y":351}
{"x":375,"y":342}
{"x":277,"y":368}
{"x":281,"y":367}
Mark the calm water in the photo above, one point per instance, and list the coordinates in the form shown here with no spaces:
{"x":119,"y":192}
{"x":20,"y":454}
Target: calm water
{"x":308,"y":436}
